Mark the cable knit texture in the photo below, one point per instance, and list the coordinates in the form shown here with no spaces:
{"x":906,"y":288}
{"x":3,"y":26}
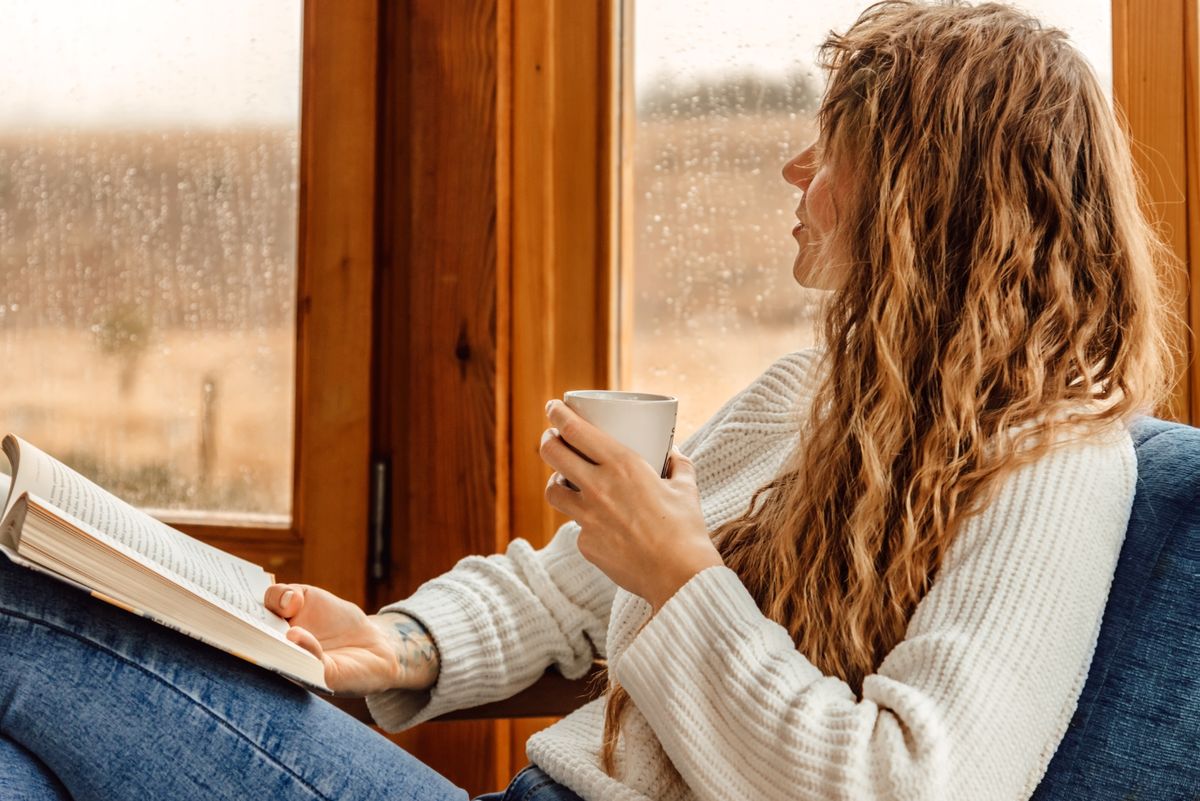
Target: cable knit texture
{"x":971,"y":705}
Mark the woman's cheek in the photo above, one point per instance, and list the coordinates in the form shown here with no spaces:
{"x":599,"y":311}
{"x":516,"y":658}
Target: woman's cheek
{"x":821,"y":211}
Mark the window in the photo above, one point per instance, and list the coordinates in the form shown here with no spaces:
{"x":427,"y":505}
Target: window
{"x":724,"y":94}
{"x":187,"y":196}
{"x":148,"y":206}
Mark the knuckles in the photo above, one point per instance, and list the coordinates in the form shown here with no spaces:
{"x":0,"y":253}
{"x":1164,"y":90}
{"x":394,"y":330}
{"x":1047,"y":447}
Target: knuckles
{"x":557,"y":495}
{"x":549,"y":441}
{"x":568,"y":429}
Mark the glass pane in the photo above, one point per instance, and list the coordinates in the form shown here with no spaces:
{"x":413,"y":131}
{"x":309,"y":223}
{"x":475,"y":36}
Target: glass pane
{"x":724,"y":94}
{"x":148,"y":191}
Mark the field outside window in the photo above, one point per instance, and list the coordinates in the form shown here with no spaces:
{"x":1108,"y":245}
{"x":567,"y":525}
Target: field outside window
{"x":148,"y":205}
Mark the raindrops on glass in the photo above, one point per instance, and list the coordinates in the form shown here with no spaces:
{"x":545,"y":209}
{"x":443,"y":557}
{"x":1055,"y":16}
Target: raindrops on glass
{"x":148,"y":252}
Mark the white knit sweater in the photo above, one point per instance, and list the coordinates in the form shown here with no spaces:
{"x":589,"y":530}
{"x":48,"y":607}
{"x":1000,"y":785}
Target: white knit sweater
{"x":971,"y":705}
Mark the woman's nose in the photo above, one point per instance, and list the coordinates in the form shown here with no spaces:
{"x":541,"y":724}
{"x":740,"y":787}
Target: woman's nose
{"x":798,"y":171}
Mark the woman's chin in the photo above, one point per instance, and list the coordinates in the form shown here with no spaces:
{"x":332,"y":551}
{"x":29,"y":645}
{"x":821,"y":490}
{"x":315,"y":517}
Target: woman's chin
{"x":805,"y":273}
{"x":810,"y":276}
{"x":799,"y":274}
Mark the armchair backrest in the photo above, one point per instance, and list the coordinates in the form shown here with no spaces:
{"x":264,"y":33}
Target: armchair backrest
{"x":1136,"y":732}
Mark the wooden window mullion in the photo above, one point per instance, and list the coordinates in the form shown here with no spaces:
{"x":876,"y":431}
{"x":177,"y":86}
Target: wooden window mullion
{"x":1151,"y":67}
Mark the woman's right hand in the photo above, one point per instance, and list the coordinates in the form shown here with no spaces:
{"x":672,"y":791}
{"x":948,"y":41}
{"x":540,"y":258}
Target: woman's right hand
{"x":362,"y":653}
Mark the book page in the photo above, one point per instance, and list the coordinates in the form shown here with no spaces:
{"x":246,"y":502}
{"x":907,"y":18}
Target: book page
{"x":235,"y":581}
{"x":7,"y":538}
{"x":20,"y":483}
{"x":22,"y":480}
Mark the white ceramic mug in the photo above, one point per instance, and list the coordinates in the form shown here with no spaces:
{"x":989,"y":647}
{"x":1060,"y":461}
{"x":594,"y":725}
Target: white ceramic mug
{"x":642,"y":422}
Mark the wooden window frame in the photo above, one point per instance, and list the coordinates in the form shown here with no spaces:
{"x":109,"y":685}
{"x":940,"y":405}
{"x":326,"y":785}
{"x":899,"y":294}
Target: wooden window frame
{"x":494,"y":243}
{"x":326,"y":541}
{"x":1156,"y":89}
{"x":570,"y":64}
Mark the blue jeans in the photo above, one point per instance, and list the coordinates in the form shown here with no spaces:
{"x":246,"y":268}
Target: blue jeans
{"x":96,"y":703}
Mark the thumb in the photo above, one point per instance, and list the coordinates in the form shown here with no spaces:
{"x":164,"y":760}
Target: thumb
{"x":681,"y":467}
{"x":286,"y":600}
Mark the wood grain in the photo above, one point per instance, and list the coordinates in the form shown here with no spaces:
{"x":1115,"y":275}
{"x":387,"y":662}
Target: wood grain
{"x":334,"y":304}
{"x":562,"y":227}
{"x":563,"y":234}
{"x":535,"y":325}
{"x":1149,"y":79}
{"x":494,"y":286}
{"x":443,"y":290}
{"x":502,"y":729}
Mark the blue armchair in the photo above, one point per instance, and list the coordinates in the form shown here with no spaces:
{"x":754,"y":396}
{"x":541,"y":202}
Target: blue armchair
{"x":1136,"y":732}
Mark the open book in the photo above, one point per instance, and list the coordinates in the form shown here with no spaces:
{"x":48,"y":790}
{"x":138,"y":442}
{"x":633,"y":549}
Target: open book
{"x":59,"y":523}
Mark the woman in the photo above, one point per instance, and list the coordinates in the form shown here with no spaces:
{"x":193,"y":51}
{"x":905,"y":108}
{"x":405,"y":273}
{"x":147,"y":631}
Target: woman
{"x":878,"y":572}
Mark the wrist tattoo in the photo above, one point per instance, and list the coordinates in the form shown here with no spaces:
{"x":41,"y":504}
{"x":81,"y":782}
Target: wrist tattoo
{"x":414,"y":647}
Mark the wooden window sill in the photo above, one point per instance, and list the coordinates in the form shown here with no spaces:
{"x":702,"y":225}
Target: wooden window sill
{"x":551,"y":696}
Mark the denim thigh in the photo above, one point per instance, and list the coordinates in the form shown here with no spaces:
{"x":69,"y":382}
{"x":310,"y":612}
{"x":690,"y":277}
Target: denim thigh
{"x":23,"y":777}
{"x":532,"y":784}
{"x":117,"y":707}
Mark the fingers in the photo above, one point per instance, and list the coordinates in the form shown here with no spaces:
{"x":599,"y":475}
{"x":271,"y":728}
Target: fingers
{"x":305,"y":639}
{"x":563,"y":498}
{"x":581,"y":435}
{"x":285,"y":600}
{"x":563,"y":458}
{"x":680,"y":467}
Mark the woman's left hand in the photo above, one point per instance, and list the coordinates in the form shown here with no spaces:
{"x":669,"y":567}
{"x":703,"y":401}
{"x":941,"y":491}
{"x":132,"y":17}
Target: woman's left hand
{"x":645,"y":532}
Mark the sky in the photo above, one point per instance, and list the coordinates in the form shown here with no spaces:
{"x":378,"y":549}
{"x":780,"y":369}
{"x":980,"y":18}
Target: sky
{"x":133,"y":63}
{"x":139,"y":63}
{"x":694,"y":38}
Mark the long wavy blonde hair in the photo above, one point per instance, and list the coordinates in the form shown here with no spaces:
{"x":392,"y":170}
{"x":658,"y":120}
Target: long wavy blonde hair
{"x":1000,"y":284}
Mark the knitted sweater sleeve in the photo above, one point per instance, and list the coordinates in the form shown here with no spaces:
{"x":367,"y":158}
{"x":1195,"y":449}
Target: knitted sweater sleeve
{"x":499,"y":621}
{"x":971,"y":704}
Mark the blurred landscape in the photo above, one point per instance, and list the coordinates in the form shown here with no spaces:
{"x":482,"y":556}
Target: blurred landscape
{"x":147,"y":293}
